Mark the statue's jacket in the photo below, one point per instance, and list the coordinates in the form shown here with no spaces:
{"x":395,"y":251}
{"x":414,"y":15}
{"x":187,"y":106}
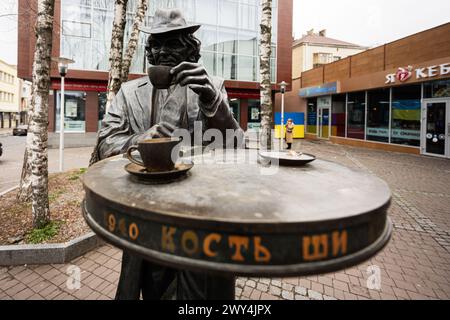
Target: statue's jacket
{"x":130,"y":115}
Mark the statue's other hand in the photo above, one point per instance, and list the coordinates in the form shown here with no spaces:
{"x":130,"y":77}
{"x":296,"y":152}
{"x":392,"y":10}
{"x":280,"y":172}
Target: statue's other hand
{"x":194,"y":76}
{"x":161,"y":130}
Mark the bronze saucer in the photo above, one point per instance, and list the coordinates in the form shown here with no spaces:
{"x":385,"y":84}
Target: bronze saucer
{"x":288,"y":158}
{"x":143,"y":175}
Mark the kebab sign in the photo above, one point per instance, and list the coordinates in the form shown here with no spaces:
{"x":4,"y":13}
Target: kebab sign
{"x":403,"y":74}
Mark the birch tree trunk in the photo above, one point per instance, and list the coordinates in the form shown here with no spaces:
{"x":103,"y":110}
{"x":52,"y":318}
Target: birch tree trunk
{"x":265,"y":137}
{"x":141,"y":10}
{"x":116,"y":52}
{"x":38,"y":126}
{"x":24,"y":193}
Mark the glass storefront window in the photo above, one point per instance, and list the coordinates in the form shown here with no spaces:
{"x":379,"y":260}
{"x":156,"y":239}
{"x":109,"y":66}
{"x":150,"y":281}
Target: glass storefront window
{"x":312,"y":116}
{"x":356,"y":109}
{"x":229,"y":34}
{"x":338,"y":115}
{"x":247,"y":69}
{"x":378,"y":115}
{"x":254,"y":114}
{"x":206,"y":11}
{"x":248,"y":16}
{"x":209,"y":60}
{"x":436,"y":89}
{"x":273,"y":70}
{"x":75,"y":106}
{"x":78,"y":49}
{"x":227,"y":41}
{"x":406,"y":112}
{"x":248,"y":44}
{"x":228,"y":13}
{"x":208,"y":36}
{"x":227,"y":66}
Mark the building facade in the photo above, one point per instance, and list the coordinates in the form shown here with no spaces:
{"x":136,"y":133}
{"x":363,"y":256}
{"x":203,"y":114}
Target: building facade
{"x":12,"y":111}
{"x":394,"y":97}
{"x":229,"y":35}
{"x":313,"y":50}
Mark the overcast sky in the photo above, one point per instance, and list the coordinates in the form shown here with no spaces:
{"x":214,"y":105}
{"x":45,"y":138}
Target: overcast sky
{"x":364,"y":22}
{"x":369,"y":22}
{"x":8,"y":31}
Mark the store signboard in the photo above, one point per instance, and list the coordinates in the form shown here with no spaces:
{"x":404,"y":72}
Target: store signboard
{"x":71,"y":85}
{"x":324,"y":102}
{"x":403,"y":74}
{"x":74,"y":126}
{"x":253,"y":125}
{"x":322,"y":90}
{"x":254,"y":114}
{"x":71,"y":108}
{"x":396,"y":133}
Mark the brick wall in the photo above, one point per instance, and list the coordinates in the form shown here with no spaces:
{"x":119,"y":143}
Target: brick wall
{"x":428,"y":45}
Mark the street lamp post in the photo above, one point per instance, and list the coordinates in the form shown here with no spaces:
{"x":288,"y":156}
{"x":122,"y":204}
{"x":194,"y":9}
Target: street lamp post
{"x":283,"y":86}
{"x":63,"y":66}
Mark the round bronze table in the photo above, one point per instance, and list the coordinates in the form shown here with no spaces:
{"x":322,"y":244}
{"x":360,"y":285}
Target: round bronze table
{"x":231,"y":216}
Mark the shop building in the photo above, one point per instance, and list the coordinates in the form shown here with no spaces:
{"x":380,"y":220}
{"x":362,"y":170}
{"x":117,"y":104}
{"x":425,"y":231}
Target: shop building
{"x":311,"y":51}
{"x":14,"y":97}
{"x":229,"y":35}
{"x":393,"y":97}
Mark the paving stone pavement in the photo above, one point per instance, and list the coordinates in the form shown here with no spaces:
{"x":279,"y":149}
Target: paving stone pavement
{"x":414,"y":265}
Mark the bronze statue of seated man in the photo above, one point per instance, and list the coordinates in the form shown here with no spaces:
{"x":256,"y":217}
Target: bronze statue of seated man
{"x":139,"y":112}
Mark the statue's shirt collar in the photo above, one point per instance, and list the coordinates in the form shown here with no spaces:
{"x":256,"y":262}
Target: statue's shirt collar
{"x":170,"y":105}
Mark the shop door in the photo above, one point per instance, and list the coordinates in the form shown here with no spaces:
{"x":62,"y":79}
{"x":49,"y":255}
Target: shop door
{"x":436,"y":127}
{"x":324,"y":123}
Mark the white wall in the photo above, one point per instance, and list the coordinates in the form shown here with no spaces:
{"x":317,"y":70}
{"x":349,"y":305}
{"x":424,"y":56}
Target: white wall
{"x":306,"y":54}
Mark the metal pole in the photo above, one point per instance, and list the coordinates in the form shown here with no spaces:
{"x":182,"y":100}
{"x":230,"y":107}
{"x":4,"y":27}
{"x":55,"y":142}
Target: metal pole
{"x":61,"y":127}
{"x":282,"y":122}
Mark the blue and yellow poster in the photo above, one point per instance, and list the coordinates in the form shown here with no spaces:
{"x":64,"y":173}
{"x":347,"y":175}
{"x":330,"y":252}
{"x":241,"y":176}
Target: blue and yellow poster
{"x":299,"y":122}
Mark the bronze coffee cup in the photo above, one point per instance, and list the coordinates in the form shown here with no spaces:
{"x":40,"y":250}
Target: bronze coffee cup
{"x":158,"y":155}
{"x":160,"y":76}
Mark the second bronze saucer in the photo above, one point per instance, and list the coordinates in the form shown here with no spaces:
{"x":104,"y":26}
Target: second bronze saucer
{"x":289,"y":159}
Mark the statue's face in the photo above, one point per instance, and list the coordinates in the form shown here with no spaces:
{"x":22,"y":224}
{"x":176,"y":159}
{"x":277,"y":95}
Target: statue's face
{"x":168,"y":49}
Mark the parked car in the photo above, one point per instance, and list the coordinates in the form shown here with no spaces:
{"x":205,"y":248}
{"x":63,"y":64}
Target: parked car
{"x":21,"y":130}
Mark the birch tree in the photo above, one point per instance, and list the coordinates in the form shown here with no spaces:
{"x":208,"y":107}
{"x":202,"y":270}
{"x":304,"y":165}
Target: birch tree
{"x":141,"y":10}
{"x":265,"y":137}
{"x":120,"y":62}
{"x":116,"y":52}
{"x":35,"y":175}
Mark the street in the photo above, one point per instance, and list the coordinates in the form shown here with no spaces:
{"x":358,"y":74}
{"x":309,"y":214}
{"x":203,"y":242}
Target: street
{"x":414,"y":265}
{"x":12,"y":160}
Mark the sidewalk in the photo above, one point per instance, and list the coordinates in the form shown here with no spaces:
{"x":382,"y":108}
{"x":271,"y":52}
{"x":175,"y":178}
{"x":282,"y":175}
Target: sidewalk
{"x":6,"y":131}
{"x":414,"y":265}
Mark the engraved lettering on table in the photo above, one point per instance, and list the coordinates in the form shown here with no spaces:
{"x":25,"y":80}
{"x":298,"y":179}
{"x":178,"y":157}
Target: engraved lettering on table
{"x":315,"y":247}
{"x":238,"y":243}
{"x":339,"y":242}
{"x":111,"y":223}
{"x":133,"y":231}
{"x":189,"y":243}
{"x":207,"y":244}
{"x":167,"y":242}
{"x":262,"y":254}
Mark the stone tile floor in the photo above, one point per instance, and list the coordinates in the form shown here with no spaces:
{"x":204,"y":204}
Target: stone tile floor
{"x":414,"y":265}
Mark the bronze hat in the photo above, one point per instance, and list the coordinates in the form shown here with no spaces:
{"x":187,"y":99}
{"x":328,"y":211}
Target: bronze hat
{"x":168,"y":20}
